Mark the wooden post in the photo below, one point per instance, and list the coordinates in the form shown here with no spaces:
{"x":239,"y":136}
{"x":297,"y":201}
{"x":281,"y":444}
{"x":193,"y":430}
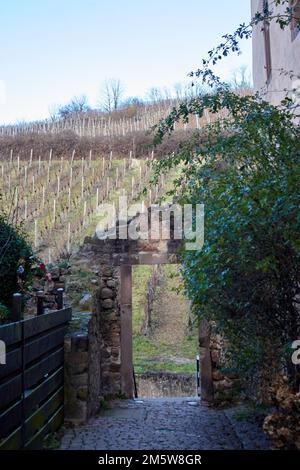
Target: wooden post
{"x":90,"y":157}
{"x":25,"y":208}
{"x":35,"y":233}
{"x":69,"y":199}
{"x":43,"y":197}
{"x":97,"y":198}
{"x":54,"y":210}
{"x":126,"y":331}
{"x":40,"y":303}
{"x":82,"y":186}
{"x":69,"y":238}
{"x":60,"y":299}
{"x":17,"y":308}
{"x":31,"y":155}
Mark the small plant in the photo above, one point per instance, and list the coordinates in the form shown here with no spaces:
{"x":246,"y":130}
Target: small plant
{"x":15,"y":260}
{"x":4,"y":314}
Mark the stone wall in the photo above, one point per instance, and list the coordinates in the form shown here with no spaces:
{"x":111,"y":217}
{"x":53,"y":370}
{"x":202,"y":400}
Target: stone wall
{"x":165,"y":384}
{"x":216,"y":386}
{"x":107,"y":317}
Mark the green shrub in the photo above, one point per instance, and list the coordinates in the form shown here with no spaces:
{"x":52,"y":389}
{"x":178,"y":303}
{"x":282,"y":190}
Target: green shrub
{"x":246,"y":171}
{"x":13,"y":248}
{"x":4,"y":314}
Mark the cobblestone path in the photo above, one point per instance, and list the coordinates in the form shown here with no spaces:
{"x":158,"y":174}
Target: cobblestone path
{"x":164,"y":424}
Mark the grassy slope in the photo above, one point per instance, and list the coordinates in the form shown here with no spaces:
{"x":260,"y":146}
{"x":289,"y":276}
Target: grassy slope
{"x":170,"y":345}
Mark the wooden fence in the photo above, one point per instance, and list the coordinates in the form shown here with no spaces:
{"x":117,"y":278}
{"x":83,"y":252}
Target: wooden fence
{"x":32,"y":380}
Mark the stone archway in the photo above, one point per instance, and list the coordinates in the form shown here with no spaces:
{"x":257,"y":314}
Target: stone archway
{"x":108,"y":347}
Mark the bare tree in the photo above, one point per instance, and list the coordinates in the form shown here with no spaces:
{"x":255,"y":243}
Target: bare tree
{"x":179,"y":90}
{"x":111,"y":94}
{"x":154,"y":95}
{"x":77,"y":105}
{"x":241,"y":78}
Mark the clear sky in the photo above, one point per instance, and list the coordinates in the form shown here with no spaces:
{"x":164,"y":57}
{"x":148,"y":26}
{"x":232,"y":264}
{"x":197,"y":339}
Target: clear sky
{"x":52,"y":50}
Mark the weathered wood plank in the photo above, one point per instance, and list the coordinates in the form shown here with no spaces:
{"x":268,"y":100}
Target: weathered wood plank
{"x":51,"y":426}
{"x":37,"y":325}
{"x":13,"y":441}
{"x":37,"y":372}
{"x":13,"y":363}
{"x":10,"y":391}
{"x":40,"y":346}
{"x":40,"y":393}
{"x":10,"y":419}
{"x":10,"y":333}
{"x":42,"y":415}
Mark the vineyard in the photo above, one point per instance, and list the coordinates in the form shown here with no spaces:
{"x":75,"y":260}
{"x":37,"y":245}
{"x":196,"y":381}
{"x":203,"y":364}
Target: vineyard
{"x":54,"y":190}
{"x":96,"y":124}
{"x":57,"y":200}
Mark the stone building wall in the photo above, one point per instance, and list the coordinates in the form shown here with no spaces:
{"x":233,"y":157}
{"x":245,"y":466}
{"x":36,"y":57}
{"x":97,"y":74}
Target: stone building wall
{"x":284,"y":55}
{"x":216,"y":386}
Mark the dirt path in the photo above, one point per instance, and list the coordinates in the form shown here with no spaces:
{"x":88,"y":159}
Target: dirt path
{"x":173,"y":313}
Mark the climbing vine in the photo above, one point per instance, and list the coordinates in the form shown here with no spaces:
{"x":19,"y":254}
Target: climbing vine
{"x":245,"y":169}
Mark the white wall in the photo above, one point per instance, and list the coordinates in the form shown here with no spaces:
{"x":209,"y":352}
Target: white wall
{"x":285,"y":54}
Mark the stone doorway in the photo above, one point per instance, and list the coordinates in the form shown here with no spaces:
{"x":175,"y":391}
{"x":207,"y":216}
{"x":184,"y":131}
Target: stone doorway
{"x":126,"y":307}
{"x":108,"y":348}
{"x":165,"y":343}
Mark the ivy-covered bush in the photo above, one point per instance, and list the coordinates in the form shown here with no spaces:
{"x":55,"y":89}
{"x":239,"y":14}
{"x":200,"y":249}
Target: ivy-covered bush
{"x":15,"y":251}
{"x":245,"y":169}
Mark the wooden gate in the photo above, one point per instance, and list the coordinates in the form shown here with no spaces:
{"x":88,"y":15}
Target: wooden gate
{"x":32,"y":380}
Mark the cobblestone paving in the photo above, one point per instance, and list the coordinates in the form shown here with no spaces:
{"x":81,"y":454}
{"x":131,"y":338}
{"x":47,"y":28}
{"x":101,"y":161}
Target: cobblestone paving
{"x":164,"y":424}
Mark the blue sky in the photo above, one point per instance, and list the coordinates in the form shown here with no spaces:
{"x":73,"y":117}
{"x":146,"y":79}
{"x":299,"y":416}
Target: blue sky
{"x":52,"y":50}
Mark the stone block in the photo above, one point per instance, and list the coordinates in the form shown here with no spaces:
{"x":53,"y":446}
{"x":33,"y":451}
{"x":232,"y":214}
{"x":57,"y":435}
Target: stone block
{"x":82,"y":393}
{"x":217,"y":375}
{"x":78,"y":381}
{"x":215,"y":356}
{"x":77,"y":362}
{"x":107,"y":293}
{"x":223,"y":385}
{"x":107,"y":304}
{"x":79,"y":342}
